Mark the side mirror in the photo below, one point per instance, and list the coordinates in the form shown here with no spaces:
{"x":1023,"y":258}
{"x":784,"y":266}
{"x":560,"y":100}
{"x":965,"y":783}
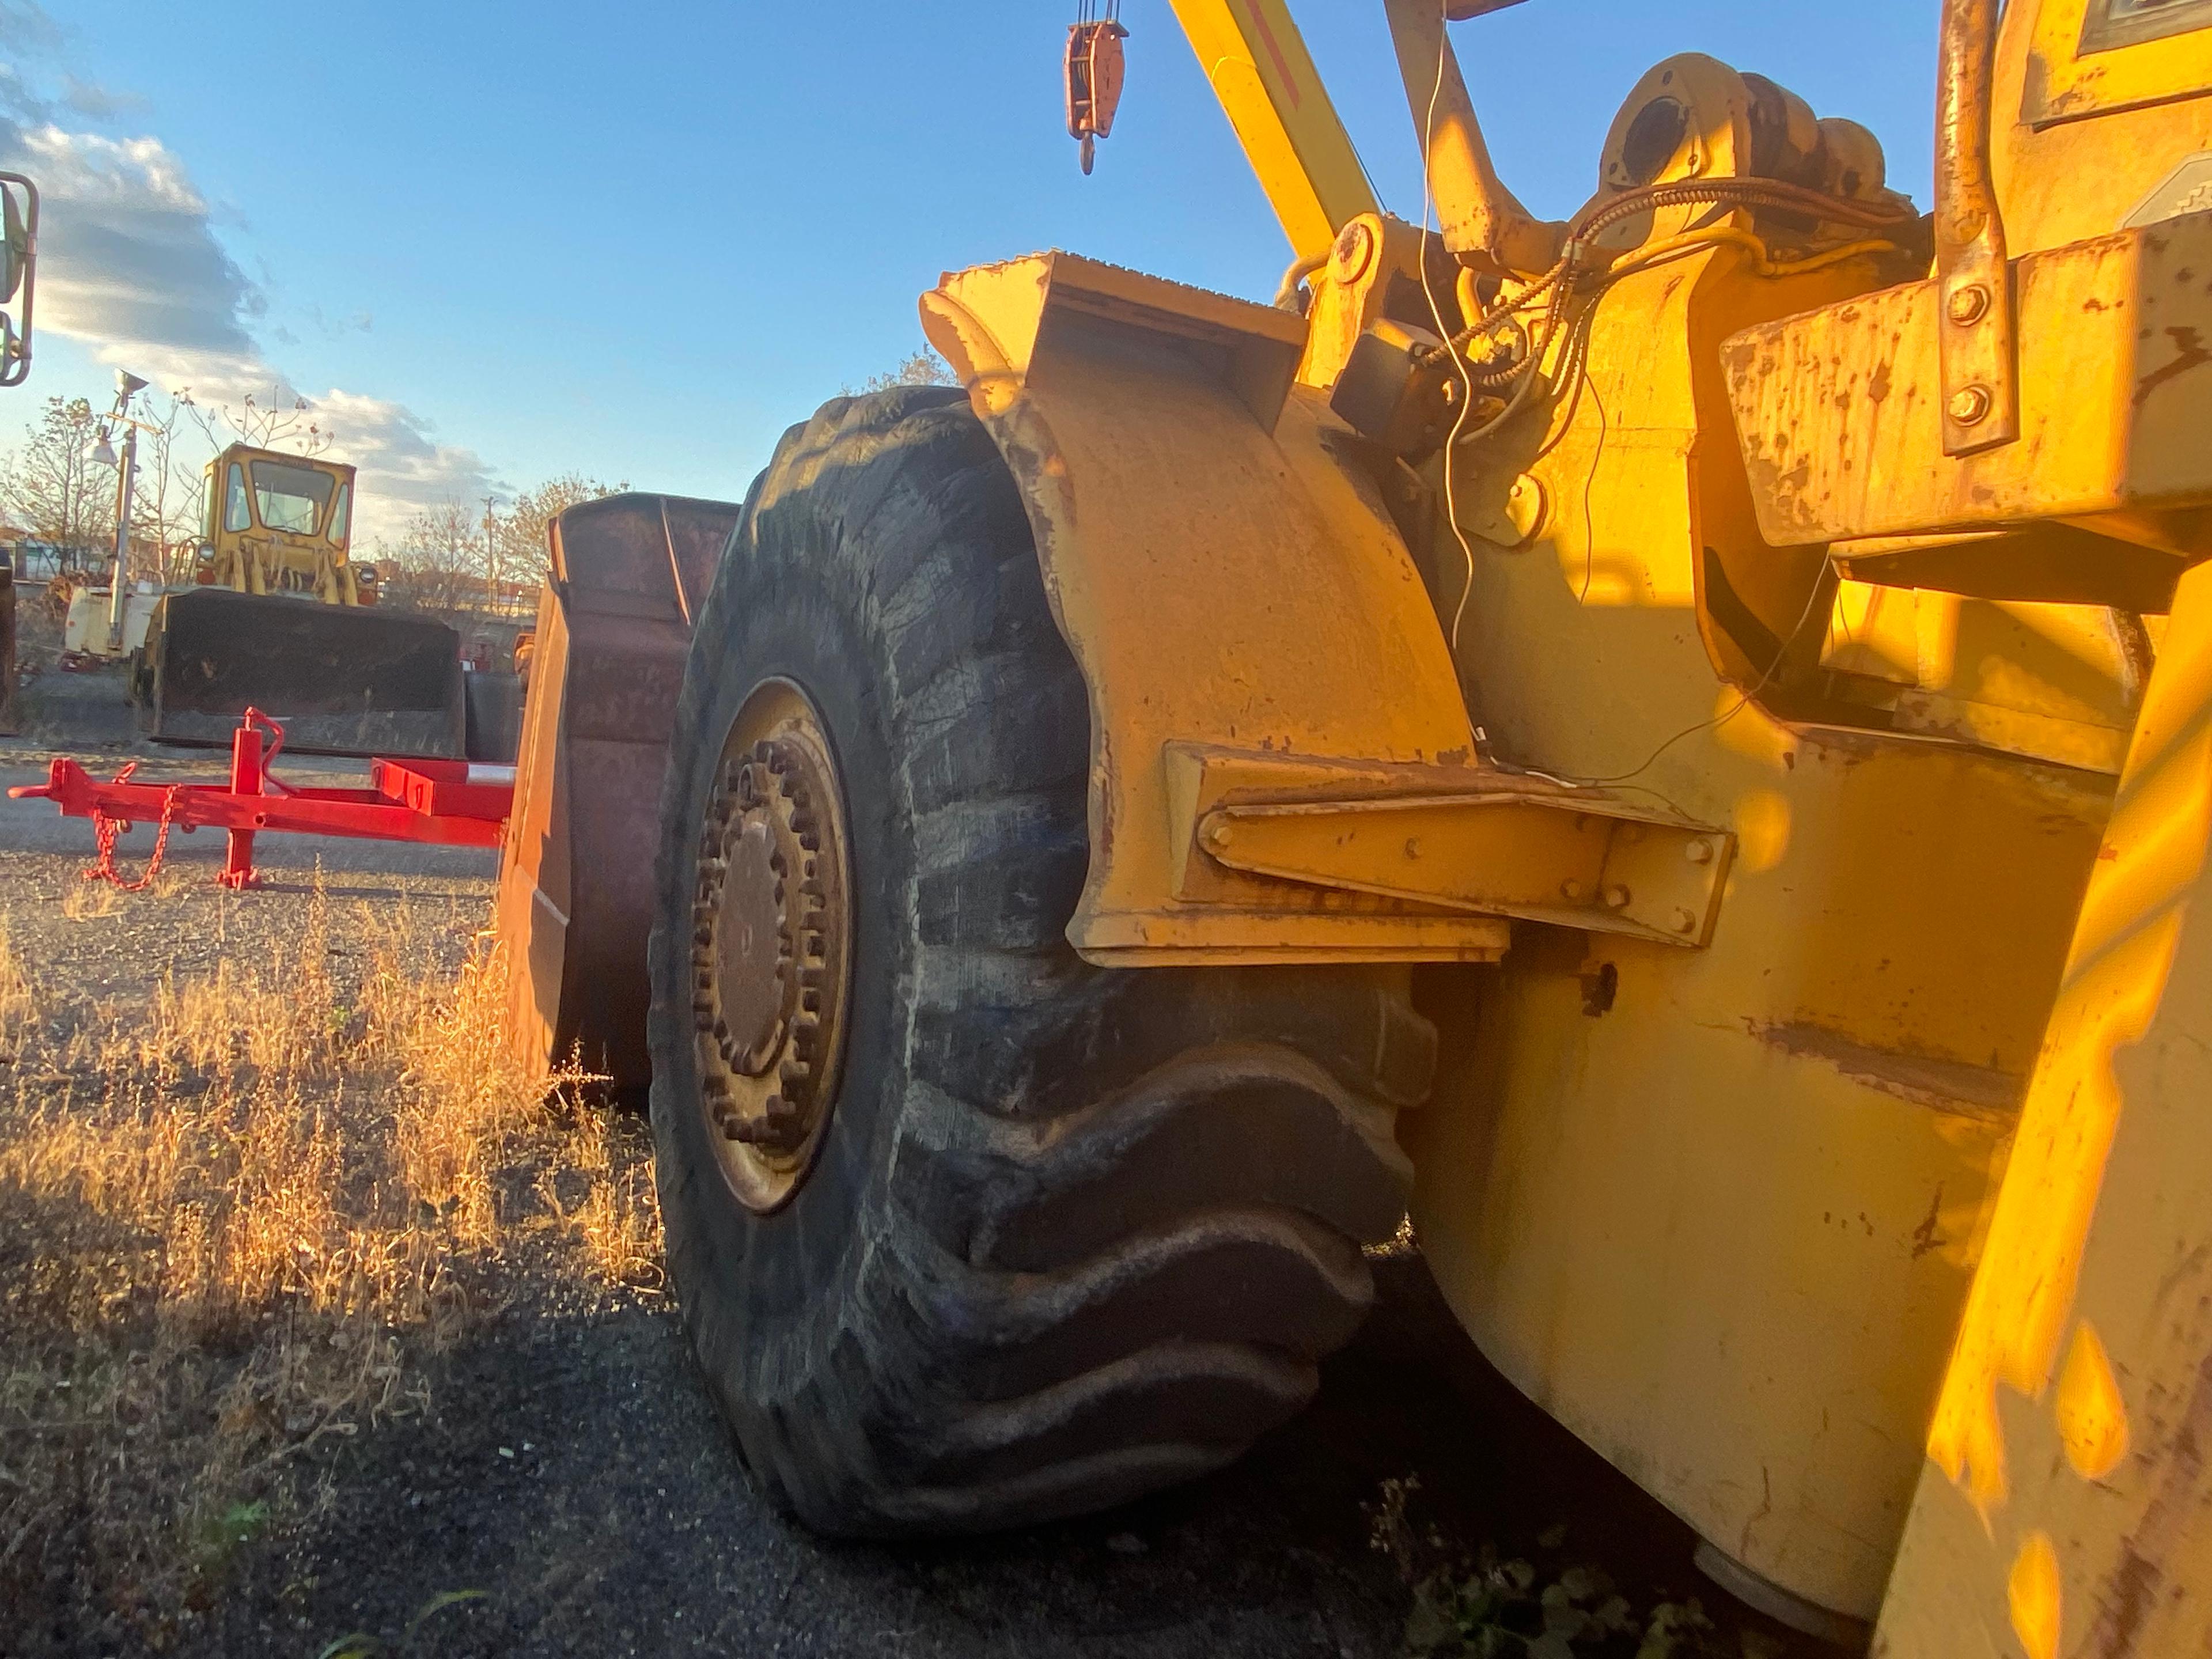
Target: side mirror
{"x":15,"y":245}
{"x":19,"y":255}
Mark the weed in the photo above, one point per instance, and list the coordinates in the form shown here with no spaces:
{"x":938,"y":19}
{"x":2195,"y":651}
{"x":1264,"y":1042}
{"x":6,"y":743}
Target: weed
{"x":1480,"y":1604}
{"x":366,"y":1644}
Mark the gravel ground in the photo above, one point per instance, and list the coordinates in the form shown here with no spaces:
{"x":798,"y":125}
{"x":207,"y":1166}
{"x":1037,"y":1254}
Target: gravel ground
{"x":572,"y":1471}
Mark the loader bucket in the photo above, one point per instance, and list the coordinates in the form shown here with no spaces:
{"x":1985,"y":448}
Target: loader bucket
{"x":341,"y":679}
{"x":575,"y":880}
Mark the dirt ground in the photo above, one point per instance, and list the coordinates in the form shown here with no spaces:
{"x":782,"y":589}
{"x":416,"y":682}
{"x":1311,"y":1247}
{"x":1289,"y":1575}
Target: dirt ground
{"x":543,"y":1473}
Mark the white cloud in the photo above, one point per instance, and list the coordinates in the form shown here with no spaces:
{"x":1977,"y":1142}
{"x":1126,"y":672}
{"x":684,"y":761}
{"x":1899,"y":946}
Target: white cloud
{"x":126,"y":252}
{"x":129,"y":263}
{"x":402,"y":465}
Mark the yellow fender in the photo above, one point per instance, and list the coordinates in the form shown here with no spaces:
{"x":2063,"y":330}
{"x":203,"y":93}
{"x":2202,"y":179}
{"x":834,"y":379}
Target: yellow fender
{"x":1204,"y":524}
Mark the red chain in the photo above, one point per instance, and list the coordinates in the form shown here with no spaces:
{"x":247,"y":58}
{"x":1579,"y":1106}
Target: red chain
{"x":105,"y":829}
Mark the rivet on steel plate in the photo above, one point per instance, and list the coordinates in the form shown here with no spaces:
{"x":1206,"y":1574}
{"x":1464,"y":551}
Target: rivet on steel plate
{"x":1571,"y":889}
{"x":1699,"y":852}
{"x":1969,"y":304}
{"x":1412,"y":847}
{"x":1685,"y":921}
{"x":1616,"y":897}
{"x":1969,"y":405}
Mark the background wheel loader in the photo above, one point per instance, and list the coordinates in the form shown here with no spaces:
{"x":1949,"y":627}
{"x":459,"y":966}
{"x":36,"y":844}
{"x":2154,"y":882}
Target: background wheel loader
{"x":1676,"y":743}
{"x":279,"y":616}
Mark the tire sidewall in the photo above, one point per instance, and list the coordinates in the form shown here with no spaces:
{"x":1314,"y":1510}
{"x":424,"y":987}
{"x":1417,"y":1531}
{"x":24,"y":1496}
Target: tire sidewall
{"x":785,"y":1271}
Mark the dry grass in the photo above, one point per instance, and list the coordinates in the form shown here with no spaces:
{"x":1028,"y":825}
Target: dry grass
{"x":91,"y":901}
{"x":19,"y":1010}
{"x":235,"y":1222}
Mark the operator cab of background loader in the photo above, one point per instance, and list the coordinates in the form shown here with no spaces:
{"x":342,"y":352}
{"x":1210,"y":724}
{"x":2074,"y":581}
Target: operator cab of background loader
{"x":281,"y":523}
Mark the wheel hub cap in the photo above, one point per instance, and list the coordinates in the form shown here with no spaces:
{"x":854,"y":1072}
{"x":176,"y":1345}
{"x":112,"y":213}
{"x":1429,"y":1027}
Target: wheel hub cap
{"x":771,"y":928}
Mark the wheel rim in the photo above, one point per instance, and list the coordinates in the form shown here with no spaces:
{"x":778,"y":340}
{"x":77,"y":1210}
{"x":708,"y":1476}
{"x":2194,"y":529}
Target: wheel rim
{"x":771,"y":942}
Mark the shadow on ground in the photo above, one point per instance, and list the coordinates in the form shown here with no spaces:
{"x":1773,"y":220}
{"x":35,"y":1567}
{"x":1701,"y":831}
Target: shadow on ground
{"x":576,"y":1476}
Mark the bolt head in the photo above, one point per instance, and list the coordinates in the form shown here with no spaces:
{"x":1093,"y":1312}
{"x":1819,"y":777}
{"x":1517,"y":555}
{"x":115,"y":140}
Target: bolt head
{"x":1969,"y":405}
{"x":1571,"y":889}
{"x":1699,"y":852}
{"x":1616,"y":897}
{"x":1685,"y":921}
{"x":1968,"y":305}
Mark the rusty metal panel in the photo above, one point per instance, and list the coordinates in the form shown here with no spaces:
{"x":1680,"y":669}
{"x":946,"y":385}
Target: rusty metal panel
{"x":576,"y":896}
{"x":1716,"y":1209}
{"x":1839,"y":410}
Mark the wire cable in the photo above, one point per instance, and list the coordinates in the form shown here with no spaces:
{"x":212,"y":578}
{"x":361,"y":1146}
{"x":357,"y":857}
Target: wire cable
{"x":1745,"y":697}
{"x":1445,"y":332}
{"x":1572,"y":353}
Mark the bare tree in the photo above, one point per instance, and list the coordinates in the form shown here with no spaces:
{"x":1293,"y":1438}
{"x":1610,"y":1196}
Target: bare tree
{"x":437,"y":564}
{"x":51,"y":486}
{"x":171,"y":488}
{"x":518,"y":544}
{"x":274,"y":424}
{"x":925,"y":368}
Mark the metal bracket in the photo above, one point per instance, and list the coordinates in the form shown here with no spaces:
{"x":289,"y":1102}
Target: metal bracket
{"x":1460,"y":838}
{"x":1976,"y":328}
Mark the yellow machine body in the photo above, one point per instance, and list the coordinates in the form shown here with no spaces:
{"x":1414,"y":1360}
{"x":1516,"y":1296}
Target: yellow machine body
{"x":1734,"y":716}
{"x":279,"y":523}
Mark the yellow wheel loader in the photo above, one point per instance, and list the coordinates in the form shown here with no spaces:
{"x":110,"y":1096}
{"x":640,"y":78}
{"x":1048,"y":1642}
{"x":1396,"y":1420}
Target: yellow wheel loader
{"x":279,"y":616}
{"x":1675,"y":746}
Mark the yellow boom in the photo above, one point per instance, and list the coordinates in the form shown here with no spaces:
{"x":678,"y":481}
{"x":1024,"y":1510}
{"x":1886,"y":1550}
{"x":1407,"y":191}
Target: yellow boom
{"x":1257,"y":64}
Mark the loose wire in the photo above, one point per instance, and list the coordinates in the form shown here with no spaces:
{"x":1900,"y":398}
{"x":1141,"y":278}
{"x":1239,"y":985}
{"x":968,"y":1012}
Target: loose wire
{"x":1436,"y":312}
{"x":1744,"y":699}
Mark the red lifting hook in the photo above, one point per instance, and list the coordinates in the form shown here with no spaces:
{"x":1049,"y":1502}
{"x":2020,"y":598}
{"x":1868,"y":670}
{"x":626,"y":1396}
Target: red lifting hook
{"x":1094,"y":74}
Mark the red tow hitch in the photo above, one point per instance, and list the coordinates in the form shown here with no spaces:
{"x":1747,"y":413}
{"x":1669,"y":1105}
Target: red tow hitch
{"x":441,"y":802}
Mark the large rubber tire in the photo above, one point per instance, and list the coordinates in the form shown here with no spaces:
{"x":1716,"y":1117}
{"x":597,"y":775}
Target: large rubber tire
{"x":1072,"y":1234}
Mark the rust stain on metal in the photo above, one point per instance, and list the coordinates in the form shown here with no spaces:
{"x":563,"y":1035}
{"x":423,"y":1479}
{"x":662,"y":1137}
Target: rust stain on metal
{"x":1925,"y":1236}
{"x":1956,"y":1087}
{"x":2145,"y":1554}
{"x":2191,"y":346}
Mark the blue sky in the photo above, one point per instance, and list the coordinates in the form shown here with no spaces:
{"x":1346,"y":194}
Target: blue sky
{"x":500,"y":241}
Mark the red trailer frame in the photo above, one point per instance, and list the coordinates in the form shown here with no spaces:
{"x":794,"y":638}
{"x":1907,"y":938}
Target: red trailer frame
{"x":441,"y":802}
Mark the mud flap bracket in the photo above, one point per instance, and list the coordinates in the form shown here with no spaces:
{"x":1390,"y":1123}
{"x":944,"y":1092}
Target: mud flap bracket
{"x":1457,"y":838}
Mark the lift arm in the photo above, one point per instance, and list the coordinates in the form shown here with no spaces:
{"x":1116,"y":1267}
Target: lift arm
{"x":1256,"y":61}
